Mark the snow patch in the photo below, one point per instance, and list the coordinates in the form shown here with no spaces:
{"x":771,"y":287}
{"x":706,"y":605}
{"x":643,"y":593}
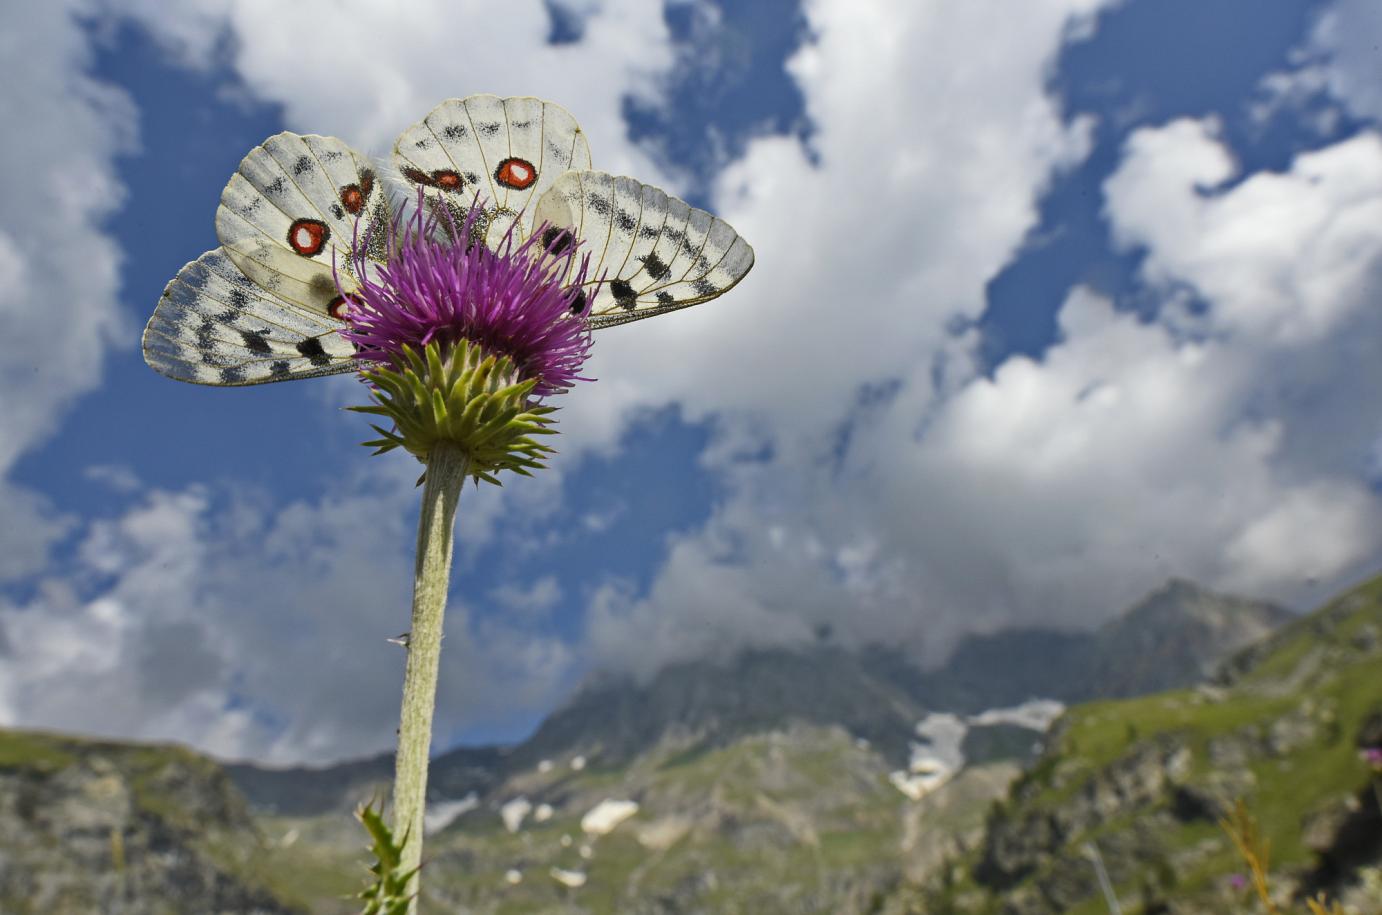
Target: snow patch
{"x":1034,"y":714}
{"x":573,"y":879}
{"x":606,"y":815}
{"x":938,"y":756}
{"x":514,"y":811}
{"x":441,"y":815}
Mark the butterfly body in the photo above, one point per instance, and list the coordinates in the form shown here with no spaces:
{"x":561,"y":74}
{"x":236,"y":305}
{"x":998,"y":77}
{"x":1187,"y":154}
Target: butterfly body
{"x":269,"y":303}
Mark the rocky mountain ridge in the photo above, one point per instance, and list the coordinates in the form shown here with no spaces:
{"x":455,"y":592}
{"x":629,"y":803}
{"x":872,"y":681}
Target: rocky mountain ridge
{"x":101,"y":827}
{"x":782,"y":781}
{"x":1173,"y":637}
{"x":1145,"y":781}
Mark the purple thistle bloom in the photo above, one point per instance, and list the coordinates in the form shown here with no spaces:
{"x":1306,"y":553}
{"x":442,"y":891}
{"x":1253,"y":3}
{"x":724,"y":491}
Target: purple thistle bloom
{"x":1237,"y":882}
{"x":441,"y":283}
{"x":1373,"y":757}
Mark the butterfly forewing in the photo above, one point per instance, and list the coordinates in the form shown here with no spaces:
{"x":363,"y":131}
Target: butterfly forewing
{"x":507,"y":151}
{"x":290,"y":214}
{"x":214,"y":325}
{"x":654,"y":252}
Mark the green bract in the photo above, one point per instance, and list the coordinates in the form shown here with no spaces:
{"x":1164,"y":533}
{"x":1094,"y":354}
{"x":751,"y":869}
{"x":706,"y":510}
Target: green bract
{"x":463,"y":397}
{"x":388,"y":893}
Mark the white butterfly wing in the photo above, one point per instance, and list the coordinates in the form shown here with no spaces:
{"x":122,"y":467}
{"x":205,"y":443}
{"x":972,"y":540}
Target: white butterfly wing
{"x":214,"y":325}
{"x":291,"y":212}
{"x":655,"y":253}
{"x":507,"y":151}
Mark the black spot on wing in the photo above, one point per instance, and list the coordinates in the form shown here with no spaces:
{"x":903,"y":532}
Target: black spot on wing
{"x":556,"y":239}
{"x":703,"y":286}
{"x":665,"y":298}
{"x":279,"y":368}
{"x":625,"y":221}
{"x":238,"y":299}
{"x":232,"y":374}
{"x":655,"y":267}
{"x":312,"y":349}
{"x":206,"y":335}
{"x":489,"y":128}
{"x":454,"y":132}
{"x":256,"y":341}
{"x":302,"y":166}
{"x":599,"y":204}
{"x":578,"y":302}
{"x":276,"y":186}
{"x":623,"y":294}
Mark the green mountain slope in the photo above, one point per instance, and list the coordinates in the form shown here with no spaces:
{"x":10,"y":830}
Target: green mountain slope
{"x":1144,"y":781}
{"x":92,"y":826}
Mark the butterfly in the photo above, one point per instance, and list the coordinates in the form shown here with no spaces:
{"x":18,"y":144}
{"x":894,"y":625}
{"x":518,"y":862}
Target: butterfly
{"x":268,"y":303}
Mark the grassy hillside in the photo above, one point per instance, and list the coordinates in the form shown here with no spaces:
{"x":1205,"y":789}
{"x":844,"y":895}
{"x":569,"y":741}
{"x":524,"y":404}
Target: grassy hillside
{"x":94,"y":826}
{"x":798,"y":821}
{"x":1146,"y":779}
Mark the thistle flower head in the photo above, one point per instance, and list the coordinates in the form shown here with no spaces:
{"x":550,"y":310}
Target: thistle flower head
{"x":440,"y":283}
{"x":463,"y":342}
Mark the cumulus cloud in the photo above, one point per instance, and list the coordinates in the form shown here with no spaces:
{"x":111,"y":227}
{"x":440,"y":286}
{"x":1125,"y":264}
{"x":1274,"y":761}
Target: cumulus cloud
{"x":58,"y":270}
{"x":364,"y":70}
{"x":1345,"y":42}
{"x":1053,"y":491}
{"x":252,"y":630}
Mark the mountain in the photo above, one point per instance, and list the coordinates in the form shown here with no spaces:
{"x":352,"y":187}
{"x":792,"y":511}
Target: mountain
{"x":779,"y":781}
{"x":805,"y":780}
{"x":96,"y":826}
{"x":1145,"y":780}
{"x":1174,"y":636}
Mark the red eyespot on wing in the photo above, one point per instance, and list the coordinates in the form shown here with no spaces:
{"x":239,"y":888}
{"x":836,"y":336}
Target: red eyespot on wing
{"x":353,"y":199}
{"x":308,"y":236}
{"x":516,"y":173}
{"x":447,"y":180}
{"x":339,"y":307}
{"x":366,"y":183}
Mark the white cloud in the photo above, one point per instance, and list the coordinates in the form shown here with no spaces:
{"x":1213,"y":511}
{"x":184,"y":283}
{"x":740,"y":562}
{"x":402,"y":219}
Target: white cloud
{"x":533,"y":600}
{"x":58,"y":270}
{"x":1054,"y":491}
{"x":252,"y":630}
{"x":364,"y":70}
{"x":1283,"y":257}
{"x":1346,"y":40}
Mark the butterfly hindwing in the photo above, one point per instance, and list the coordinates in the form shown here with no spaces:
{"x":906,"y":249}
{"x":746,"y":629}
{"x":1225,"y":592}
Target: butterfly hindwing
{"x":654,"y":252}
{"x":290,"y":214}
{"x":214,"y":325}
{"x":507,"y":151}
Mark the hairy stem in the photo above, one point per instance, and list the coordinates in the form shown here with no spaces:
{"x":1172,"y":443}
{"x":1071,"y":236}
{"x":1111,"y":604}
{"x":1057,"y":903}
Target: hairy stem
{"x":446,"y":472}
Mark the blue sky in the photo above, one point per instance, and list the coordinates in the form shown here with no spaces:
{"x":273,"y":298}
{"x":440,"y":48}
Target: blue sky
{"x":1052,"y":302}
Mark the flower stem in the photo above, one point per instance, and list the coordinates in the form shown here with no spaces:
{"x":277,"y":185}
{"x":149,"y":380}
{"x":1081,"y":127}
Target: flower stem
{"x":446,"y":472}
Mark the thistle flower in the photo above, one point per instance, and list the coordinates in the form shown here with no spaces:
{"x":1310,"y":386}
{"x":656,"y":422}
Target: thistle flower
{"x":518,"y":301}
{"x":462,"y":342}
